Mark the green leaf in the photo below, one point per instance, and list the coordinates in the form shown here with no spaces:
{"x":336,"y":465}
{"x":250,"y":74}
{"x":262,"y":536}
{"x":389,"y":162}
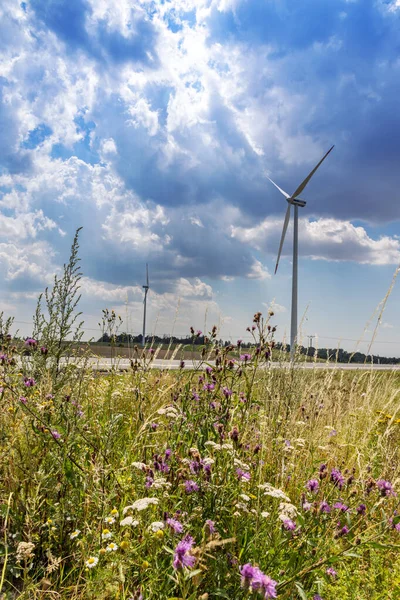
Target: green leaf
{"x":300,"y":591}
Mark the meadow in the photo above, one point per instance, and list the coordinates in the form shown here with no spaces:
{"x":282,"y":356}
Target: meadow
{"x":234,"y":480}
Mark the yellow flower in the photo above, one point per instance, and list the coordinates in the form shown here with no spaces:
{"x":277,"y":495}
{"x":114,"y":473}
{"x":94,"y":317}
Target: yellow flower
{"x":145,"y":564}
{"x":102,"y":550}
{"x":159,"y":534}
{"x":114,"y":512}
{"x":124,"y":545}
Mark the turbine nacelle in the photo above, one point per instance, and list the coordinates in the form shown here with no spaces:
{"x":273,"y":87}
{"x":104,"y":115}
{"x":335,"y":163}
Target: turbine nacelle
{"x":297,"y":202}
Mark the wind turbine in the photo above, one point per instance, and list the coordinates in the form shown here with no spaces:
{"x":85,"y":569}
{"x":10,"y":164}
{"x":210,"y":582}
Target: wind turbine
{"x":146,"y":289}
{"x":296,"y":202}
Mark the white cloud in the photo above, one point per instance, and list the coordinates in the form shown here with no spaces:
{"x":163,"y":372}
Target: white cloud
{"x":324,"y":239}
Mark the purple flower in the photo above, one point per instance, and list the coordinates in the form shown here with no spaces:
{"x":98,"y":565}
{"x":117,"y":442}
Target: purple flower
{"x":182,"y":556}
{"x":195,"y":396}
{"x":44,"y":350}
{"x":341,"y":506}
{"x":239,"y":343}
{"x":253,"y":578}
{"x":175,"y":525}
{"x":209,"y":387}
{"x":191,"y":486}
{"x":245,"y":357}
{"x":331,"y":572}
{"x":153,"y":426}
{"x":337,"y":478}
{"x":385,"y":488}
{"x":312,"y":485}
{"x":324,"y":507}
{"x":55,"y":434}
{"x":307,"y":506}
{"x":30,"y":342}
{"x":210,"y":525}
{"x":209,"y":370}
{"x":227,"y":392}
{"x":317,"y":597}
{"x":361,"y":509}
{"x":23,"y":400}
{"x":149,"y":482}
{"x":243,"y":475}
{"x":289,"y":525}
{"x":343,"y":531}
{"x":168,"y":453}
{"x":29,"y":382}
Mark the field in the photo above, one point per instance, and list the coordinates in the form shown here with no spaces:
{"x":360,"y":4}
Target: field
{"x":233,"y":482}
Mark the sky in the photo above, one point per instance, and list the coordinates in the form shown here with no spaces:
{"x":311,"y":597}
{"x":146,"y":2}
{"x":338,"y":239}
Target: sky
{"x":154,"y":126}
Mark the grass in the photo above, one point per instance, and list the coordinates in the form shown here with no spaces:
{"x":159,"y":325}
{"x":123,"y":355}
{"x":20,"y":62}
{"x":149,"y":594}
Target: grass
{"x":227,"y":453}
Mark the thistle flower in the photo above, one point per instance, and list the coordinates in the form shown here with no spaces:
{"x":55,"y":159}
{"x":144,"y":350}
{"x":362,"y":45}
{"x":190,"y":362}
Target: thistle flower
{"x":385,"y":488}
{"x":30,"y":343}
{"x":175,"y":525}
{"x":254,"y":579}
{"x":337,"y":478}
{"x":56,"y":435}
{"x":29,"y":382}
{"x":362,"y":509}
{"x":245,"y":357}
{"x":331,"y":572}
{"x":324,"y":507}
{"x":182,"y":556}
{"x":243,"y":475}
{"x":210,"y":526}
{"x":340,"y":506}
{"x":23,"y":400}
{"x":191,"y":486}
{"x":288,"y":524}
{"x":312,"y":485}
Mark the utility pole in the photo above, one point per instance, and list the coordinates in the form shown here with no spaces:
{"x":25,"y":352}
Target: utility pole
{"x":310,"y":343}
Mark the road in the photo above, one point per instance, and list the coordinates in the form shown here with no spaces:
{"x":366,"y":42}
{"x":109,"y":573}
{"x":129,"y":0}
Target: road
{"x":105,"y":364}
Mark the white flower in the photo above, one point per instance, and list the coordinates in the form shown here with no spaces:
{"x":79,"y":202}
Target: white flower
{"x":140,"y":504}
{"x":270,"y":490}
{"x":156,"y":526}
{"x":265,"y":514}
{"x":129,"y":521}
{"x":208,"y":461}
{"x":211,"y":444}
{"x":244,"y":497}
{"x":74,"y":534}
{"x":112,"y":547}
{"x":91,"y":562}
{"x":138,"y":465}
{"x":109,"y":520}
{"x":106,"y":535}
{"x":288,"y":509}
{"x":241,"y":506}
{"x":242,"y":465}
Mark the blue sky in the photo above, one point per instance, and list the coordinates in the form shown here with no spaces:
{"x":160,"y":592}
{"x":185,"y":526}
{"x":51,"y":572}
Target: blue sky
{"x":154,"y":126}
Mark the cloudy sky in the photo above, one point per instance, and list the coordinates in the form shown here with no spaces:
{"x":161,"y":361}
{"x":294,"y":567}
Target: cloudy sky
{"x":154,"y":126}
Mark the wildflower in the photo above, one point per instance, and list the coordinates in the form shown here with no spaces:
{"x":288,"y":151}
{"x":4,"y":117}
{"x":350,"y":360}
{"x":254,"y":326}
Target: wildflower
{"x":227,"y":392}
{"x":74,"y":534}
{"x":114,"y":512}
{"x":25,"y":551}
{"x":385,"y":488}
{"x":141,"y":504}
{"x":191,"y":486}
{"x":129,"y":521}
{"x":23,"y":400}
{"x":112,"y":547}
{"x":265,"y":514}
{"x":209,"y":387}
{"x":331,"y":572}
{"x":312,"y":485}
{"x":91,"y":562}
{"x":106,"y":534}
{"x":253,"y":578}
{"x":245,"y":357}
{"x":269,"y":490}
{"x":175,"y":525}
{"x":324,"y":507}
{"x":317,"y":597}
{"x":182,"y":556}
{"x":343,"y":531}
{"x":340,"y":506}
{"x":30,"y":343}
{"x":288,"y":524}
{"x":210,"y":526}
{"x":361,"y":509}
{"x":29,"y":382}
{"x":156,"y":526}
{"x":243,"y":475}
{"x":56,"y":435}
{"x":337,"y":478}
{"x":109,"y":520}
{"x":124,"y":545}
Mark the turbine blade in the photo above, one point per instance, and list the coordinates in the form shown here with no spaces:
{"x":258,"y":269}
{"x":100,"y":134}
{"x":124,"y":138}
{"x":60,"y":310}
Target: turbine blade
{"x":285,"y":226}
{"x":307,"y":179}
{"x":147,"y":274}
{"x":277,"y":186}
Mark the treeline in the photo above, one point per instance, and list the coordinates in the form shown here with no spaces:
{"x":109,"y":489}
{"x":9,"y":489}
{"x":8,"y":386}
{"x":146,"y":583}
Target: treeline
{"x":333,"y":354}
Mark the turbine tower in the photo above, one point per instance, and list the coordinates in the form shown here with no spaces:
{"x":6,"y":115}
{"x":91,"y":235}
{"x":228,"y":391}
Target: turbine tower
{"x":146,"y":289}
{"x":296,"y":202}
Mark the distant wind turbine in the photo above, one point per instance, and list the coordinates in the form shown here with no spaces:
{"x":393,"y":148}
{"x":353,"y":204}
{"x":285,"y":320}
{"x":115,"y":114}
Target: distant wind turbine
{"x":293,"y":199}
{"x":146,"y":289}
